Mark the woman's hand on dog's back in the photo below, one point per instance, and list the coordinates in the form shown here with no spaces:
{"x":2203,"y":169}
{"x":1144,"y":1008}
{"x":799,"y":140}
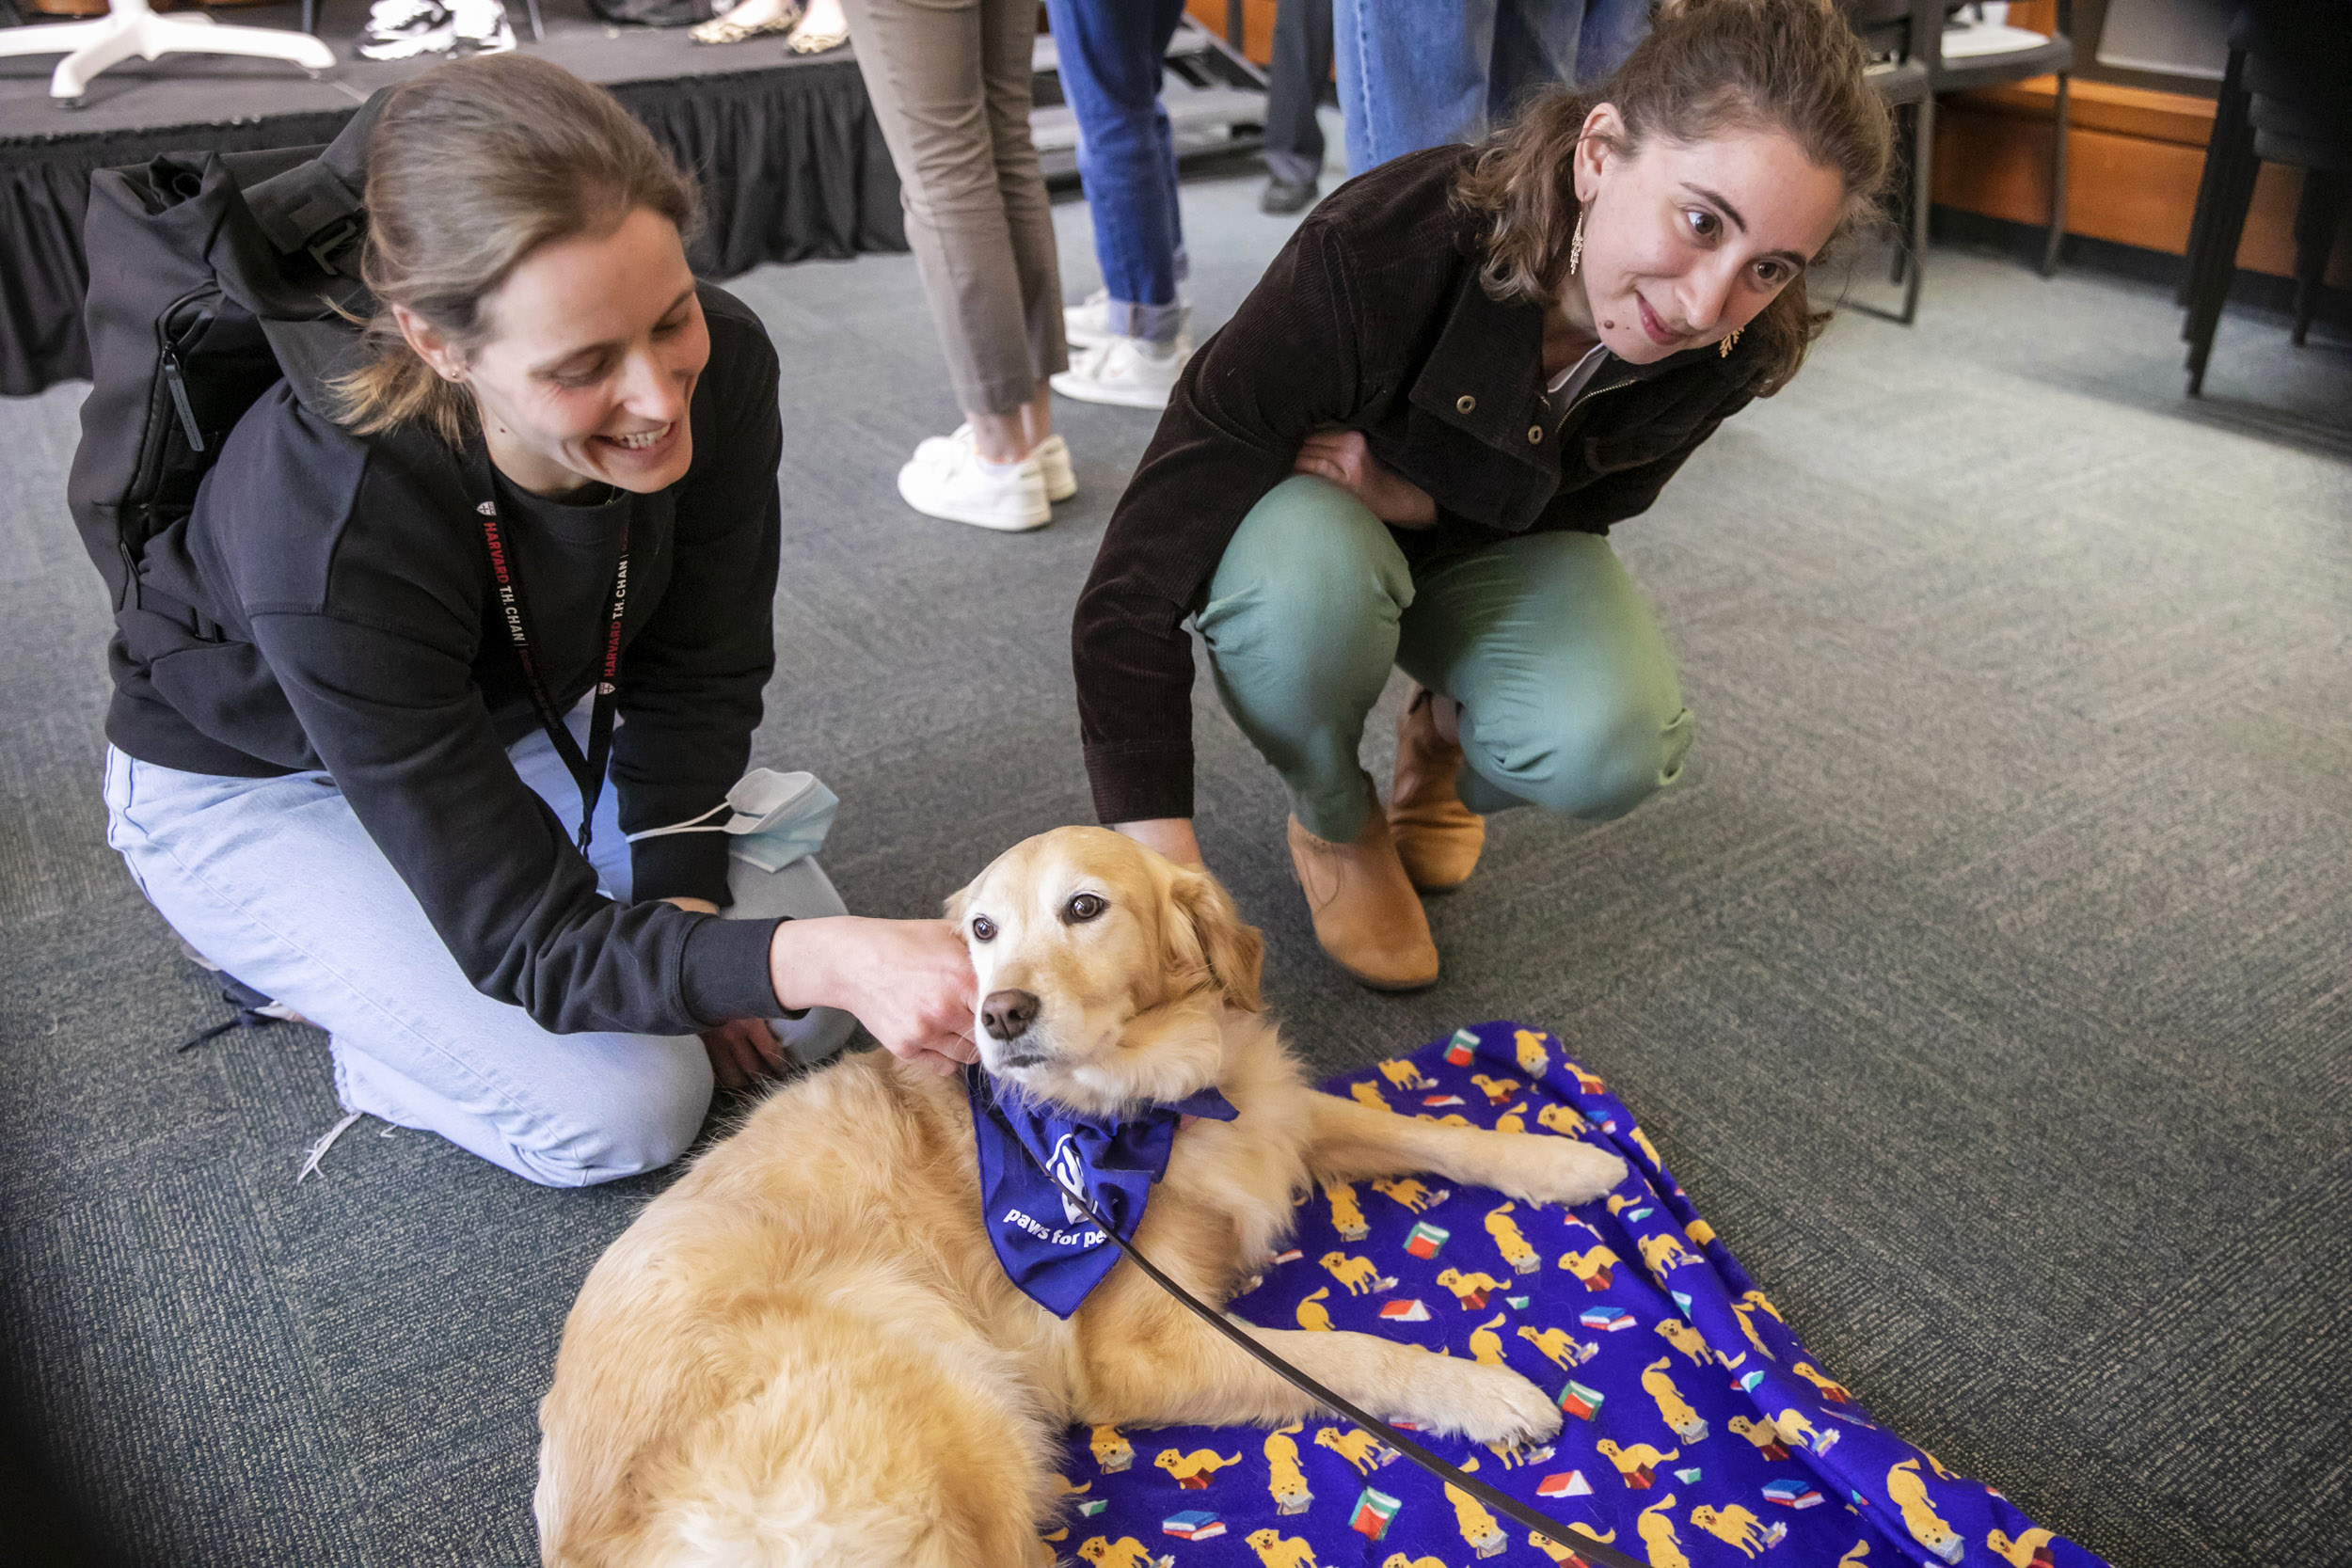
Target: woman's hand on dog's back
{"x":909,"y":981}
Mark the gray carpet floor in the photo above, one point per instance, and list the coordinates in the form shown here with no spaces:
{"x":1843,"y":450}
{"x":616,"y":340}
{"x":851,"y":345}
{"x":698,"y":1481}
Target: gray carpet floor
{"x":1985,"y":980}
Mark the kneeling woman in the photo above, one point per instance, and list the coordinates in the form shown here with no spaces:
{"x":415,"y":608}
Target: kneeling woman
{"x":339,"y":775}
{"x":1408,"y":445}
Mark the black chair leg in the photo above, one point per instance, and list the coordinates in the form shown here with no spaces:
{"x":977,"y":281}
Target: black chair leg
{"x":2058,"y":187}
{"x":2316,"y":218}
{"x":1922,"y":189}
{"x":2232,"y":142}
{"x":311,"y":16}
{"x":1895,"y":269}
{"x":2233,"y":195}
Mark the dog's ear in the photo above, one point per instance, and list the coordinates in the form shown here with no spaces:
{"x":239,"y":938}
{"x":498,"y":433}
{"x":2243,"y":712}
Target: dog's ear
{"x":1209,"y":931}
{"x":957,"y":902}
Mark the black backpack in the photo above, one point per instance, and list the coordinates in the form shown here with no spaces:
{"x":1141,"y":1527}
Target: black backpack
{"x":213,"y":276}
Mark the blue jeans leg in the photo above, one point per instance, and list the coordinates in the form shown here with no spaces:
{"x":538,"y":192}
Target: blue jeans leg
{"x":1112,"y":55}
{"x":1420,"y":73}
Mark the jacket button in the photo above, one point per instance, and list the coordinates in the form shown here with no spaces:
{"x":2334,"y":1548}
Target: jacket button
{"x":1464,"y":403}
{"x":1535,"y":435}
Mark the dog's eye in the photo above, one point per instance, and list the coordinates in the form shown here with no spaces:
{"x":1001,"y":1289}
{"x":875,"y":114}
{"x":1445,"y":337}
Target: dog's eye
{"x":1085,"y":907}
{"x":983,"y":929}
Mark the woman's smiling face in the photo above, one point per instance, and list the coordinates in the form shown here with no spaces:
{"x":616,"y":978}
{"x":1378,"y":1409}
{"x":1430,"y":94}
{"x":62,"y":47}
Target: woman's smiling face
{"x":595,"y":344}
{"x":1685,"y":242}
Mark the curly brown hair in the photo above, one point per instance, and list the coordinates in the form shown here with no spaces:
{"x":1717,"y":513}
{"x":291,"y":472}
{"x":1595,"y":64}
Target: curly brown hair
{"x":474,"y":165}
{"x":1707,"y":67}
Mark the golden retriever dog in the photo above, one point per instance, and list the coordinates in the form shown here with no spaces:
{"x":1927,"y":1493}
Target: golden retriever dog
{"x":806,"y":1353}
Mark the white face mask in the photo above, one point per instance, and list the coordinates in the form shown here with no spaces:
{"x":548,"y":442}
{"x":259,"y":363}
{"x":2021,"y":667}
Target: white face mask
{"x":777,"y":818}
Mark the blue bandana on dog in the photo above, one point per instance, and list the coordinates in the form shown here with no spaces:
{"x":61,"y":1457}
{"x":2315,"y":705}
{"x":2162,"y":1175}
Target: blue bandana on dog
{"x":1049,"y":1247}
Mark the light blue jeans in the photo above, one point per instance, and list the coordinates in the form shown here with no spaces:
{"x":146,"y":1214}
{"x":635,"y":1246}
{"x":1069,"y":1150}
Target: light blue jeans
{"x":1417,"y":74}
{"x":275,"y":881}
{"x":1568,"y":694}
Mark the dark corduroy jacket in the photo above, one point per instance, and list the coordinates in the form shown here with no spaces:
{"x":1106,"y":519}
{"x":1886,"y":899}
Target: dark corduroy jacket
{"x":1372,"y":319}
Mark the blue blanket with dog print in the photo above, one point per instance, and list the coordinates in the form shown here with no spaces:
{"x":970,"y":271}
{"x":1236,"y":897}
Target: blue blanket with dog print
{"x":1699,"y":1429}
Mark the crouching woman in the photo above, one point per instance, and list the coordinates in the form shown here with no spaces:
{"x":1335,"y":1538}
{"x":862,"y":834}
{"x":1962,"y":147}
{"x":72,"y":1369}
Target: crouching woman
{"x":529,"y":551}
{"x":1409,"y":444}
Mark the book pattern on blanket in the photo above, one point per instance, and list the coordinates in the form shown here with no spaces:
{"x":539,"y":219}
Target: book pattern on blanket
{"x":1699,"y":1429}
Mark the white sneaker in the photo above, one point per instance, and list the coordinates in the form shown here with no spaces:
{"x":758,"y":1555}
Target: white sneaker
{"x":403,"y":29}
{"x":1088,"y":325}
{"x":482,"y":27}
{"x":946,"y":479}
{"x":1121,"y":371}
{"x":1052,"y":454}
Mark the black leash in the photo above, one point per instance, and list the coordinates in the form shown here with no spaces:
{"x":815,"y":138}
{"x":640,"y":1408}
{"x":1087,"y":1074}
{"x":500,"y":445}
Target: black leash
{"x":1579,"y":1546}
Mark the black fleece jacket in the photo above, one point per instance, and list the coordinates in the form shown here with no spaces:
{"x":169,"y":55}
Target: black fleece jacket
{"x":327,"y":606}
{"x":1372,"y":319}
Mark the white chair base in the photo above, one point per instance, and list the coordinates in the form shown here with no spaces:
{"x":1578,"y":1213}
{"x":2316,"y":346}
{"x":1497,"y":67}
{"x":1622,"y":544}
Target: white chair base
{"x":130,"y":27}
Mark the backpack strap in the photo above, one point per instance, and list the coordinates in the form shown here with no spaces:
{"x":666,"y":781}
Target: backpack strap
{"x":316,"y":206}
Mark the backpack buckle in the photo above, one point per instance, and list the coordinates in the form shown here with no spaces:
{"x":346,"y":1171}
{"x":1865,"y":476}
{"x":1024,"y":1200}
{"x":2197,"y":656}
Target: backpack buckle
{"x":330,"y":241}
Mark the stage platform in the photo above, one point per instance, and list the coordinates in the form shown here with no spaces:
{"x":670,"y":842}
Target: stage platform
{"x":791,"y":161}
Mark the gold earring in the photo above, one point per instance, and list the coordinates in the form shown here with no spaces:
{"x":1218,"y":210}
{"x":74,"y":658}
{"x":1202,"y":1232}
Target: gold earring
{"x":1726,"y":349}
{"x":1576,"y":246}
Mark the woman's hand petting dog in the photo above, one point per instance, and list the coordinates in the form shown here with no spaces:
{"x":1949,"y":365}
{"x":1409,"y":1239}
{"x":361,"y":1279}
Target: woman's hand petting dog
{"x":743,"y":1052}
{"x":909,"y":981}
{"x":1343,"y":457}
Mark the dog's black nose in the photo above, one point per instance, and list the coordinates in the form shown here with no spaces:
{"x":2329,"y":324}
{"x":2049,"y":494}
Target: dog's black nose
{"x":1008,"y":1014}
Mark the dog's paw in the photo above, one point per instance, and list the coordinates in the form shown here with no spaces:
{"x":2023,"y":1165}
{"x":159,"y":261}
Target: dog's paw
{"x":1565,"y":1170}
{"x":1494,"y":1404}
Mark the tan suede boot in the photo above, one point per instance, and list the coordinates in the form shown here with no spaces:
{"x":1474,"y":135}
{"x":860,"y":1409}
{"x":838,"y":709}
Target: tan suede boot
{"x":1438,"y":837}
{"x":1366,"y":914}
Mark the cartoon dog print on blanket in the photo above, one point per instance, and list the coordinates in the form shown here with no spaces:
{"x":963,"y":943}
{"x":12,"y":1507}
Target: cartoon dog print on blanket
{"x":1478,"y":1526}
{"x":1362,"y":1276}
{"x":1508,"y":1242}
{"x":1471,"y":1289}
{"x":1286,"y":1481}
{"x":1499,"y":1090}
{"x":1592,"y":1266}
{"x":1561,"y":1120}
{"x":1312,"y":1312}
{"x":1798,"y":1432}
{"x":1369,"y":1095}
{"x":1348,"y":1217}
{"x":1398,"y":1559}
{"x":1558,"y":1552}
{"x":1763,"y":1434}
{"x":1486,"y":1345}
{"x":1274,"y":1552}
{"x":1126,"y":1552}
{"x":1412,"y":1194}
{"x":1656,"y":1528}
{"x":1637,"y":1466}
{"x":2029,"y":1550}
{"x":1558,"y":1345}
{"x":1833,"y":1392}
{"x":1533,"y":1059}
{"x":1357,"y":1447}
{"x":1734,"y":1524}
{"x":1675,"y":1411}
{"x":1111,"y":1451}
{"x":1909,"y":1489}
{"x":1193,"y":1470}
{"x":1402,"y":1074}
{"x":1662,"y":1252}
{"x":1689,"y":1341}
{"x":1511,"y":1121}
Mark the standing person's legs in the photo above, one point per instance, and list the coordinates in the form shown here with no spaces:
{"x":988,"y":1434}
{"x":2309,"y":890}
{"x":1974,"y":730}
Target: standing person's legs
{"x":926,"y":64}
{"x":1293,"y":136}
{"x":1007,"y":76}
{"x":1302,"y":624}
{"x":1568,"y":694}
{"x":1612,"y":28}
{"x":1534,"y":48}
{"x":1413,"y":73}
{"x":1112,"y":55}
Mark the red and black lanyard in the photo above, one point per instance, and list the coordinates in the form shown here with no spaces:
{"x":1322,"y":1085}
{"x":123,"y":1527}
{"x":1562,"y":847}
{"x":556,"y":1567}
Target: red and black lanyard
{"x":587,"y":770}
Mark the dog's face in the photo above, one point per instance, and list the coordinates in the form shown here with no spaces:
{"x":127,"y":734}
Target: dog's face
{"x":1103,"y":969}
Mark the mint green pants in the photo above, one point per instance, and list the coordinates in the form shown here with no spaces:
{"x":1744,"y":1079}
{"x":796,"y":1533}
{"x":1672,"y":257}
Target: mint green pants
{"x":1568,"y":694}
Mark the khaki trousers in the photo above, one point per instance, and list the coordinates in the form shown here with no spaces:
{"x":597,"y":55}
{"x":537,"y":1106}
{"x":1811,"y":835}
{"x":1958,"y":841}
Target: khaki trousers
{"x":949,"y":81}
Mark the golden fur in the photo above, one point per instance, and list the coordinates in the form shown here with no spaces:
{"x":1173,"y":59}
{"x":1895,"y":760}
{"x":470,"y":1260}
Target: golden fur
{"x":806,"y":1353}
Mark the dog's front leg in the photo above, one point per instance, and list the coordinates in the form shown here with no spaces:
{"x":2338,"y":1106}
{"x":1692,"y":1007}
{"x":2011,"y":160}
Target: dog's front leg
{"x":1171,"y":1369}
{"x":1350,"y":1142}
